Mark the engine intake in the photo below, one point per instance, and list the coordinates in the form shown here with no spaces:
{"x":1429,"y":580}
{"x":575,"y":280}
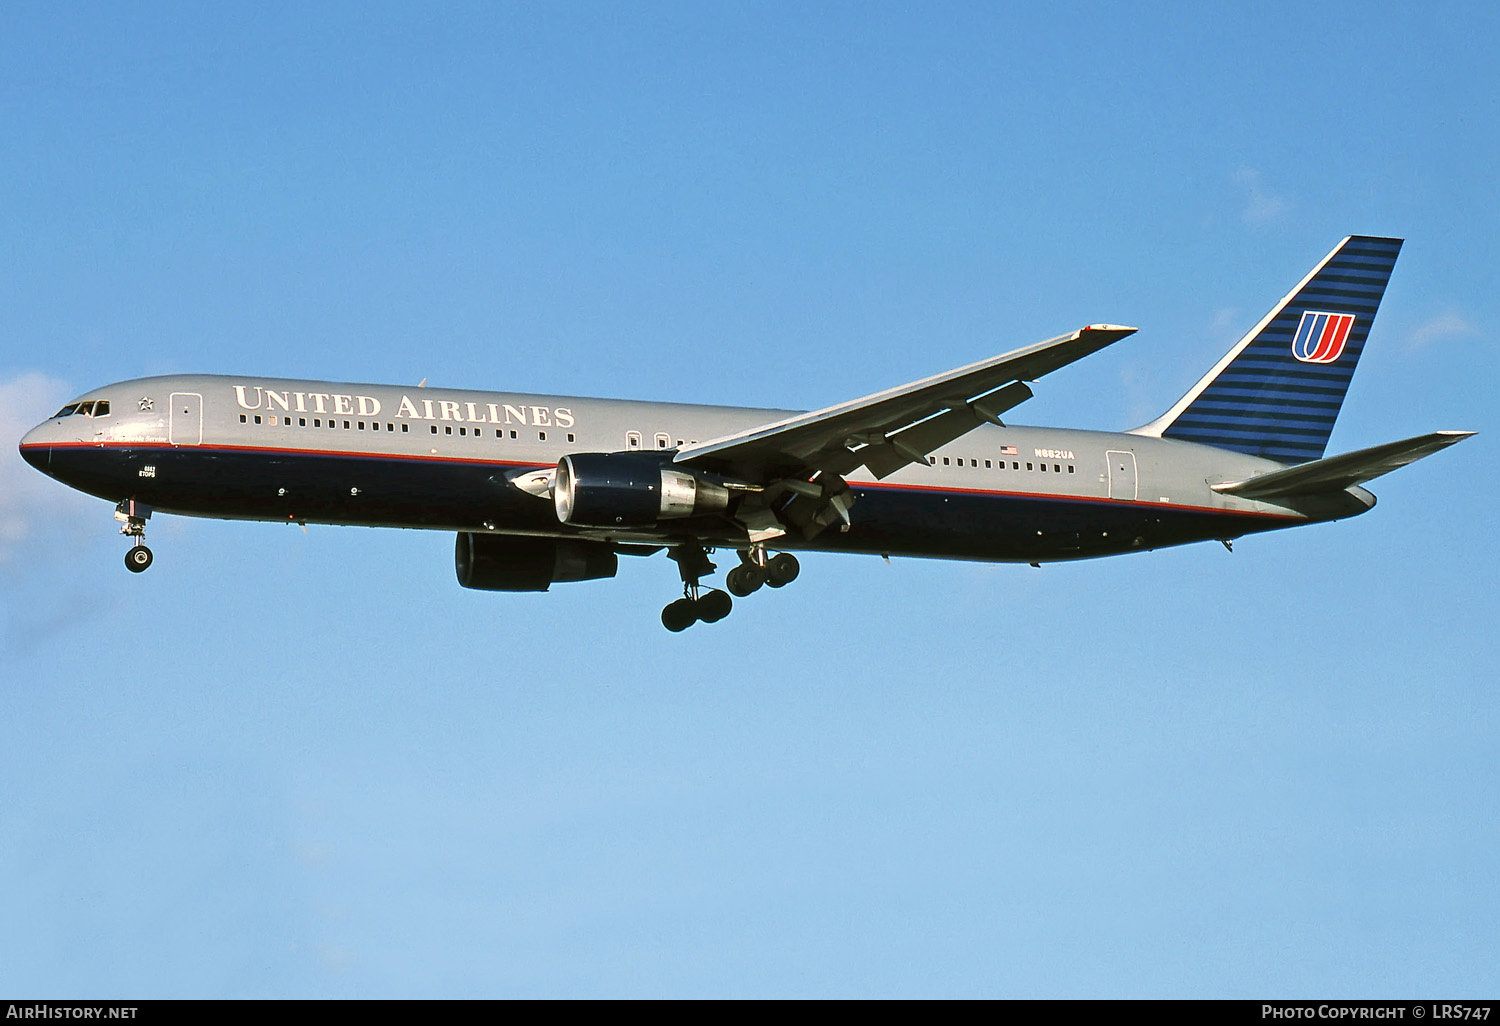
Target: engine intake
{"x":500,"y":562}
{"x":623,"y":489}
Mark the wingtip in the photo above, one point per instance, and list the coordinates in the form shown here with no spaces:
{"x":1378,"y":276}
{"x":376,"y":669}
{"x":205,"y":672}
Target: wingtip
{"x":1125,"y":329}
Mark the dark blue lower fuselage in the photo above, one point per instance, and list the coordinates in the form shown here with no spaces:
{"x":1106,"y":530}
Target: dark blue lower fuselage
{"x":477,"y":495}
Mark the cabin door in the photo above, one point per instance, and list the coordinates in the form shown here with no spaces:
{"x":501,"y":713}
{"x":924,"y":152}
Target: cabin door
{"x":186,"y":418}
{"x":1121,"y":475}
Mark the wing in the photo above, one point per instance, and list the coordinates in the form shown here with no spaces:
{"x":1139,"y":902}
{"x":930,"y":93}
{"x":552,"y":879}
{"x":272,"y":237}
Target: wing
{"x":890,"y":429}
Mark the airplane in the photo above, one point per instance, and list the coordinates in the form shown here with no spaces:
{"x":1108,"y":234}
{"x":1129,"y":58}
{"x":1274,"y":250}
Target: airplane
{"x":546,"y":489}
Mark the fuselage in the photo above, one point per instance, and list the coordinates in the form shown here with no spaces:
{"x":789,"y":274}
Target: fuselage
{"x":444,"y":459}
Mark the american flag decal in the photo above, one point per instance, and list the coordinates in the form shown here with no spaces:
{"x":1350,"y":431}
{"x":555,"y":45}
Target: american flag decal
{"x":1008,"y":450}
{"x":1320,"y":337}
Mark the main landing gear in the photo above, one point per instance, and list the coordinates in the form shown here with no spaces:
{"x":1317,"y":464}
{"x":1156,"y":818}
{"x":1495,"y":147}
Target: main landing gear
{"x":755,"y":570}
{"x":133,"y":516}
{"x":711,"y":606}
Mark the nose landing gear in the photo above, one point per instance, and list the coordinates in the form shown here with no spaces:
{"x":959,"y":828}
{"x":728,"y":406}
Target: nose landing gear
{"x":133,"y":516}
{"x":138,"y":557}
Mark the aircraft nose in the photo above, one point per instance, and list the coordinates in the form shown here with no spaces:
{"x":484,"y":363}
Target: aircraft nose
{"x":34,"y":447}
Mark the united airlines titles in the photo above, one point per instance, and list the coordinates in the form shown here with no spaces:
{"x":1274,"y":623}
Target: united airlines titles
{"x":459,"y":411}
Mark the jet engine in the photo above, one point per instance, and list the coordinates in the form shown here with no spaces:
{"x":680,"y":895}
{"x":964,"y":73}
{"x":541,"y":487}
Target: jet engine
{"x":500,"y":562}
{"x":626,"y":489}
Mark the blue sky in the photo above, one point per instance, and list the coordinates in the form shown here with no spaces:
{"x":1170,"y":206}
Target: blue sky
{"x":288,"y":764}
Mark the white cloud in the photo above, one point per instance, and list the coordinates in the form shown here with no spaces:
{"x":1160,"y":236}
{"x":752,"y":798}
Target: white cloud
{"x":30,"y":501}
{"x":1226,"y":325}
{"x":1443,"y":326}
{"x":1262,"y":205}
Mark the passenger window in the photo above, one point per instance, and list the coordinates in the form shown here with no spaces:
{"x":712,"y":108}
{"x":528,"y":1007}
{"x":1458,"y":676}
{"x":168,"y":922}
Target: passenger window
{"x":987,"y":465}
{"x":288,"y":421}
{"x":242,"y":418}
{"x":1070,"y":468}
{"x":513,"y":435}
{"x":632,"y":438}
{"x":541,"y":436}
{"x":661,"y":441}
{"x":302,"y":422}
{"x":434,"y":429}
{"x":1028,"y":466}
{"x":1044,"y":468}
{"x":1014,"y":465}
{"x":1056,"y":468}
{"x":447,"y":429}
{"x":570,"y":437}
{"x":405,"y":426}
{"x":945,"y":461}
{"x":257,"y":418}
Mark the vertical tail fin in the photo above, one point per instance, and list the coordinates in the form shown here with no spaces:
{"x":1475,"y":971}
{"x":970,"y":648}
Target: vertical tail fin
{"x":1278,"y":391}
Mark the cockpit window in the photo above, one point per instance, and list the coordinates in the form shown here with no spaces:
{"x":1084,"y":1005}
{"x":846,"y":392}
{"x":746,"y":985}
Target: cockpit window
{"x":93,"y":408}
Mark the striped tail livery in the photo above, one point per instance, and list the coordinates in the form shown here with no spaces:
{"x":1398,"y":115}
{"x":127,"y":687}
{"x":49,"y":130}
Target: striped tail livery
{"x":1277,"y":393}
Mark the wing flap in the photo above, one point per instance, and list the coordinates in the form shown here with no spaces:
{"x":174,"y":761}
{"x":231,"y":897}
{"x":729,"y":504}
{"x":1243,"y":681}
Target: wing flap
{"x":1336,"y":473}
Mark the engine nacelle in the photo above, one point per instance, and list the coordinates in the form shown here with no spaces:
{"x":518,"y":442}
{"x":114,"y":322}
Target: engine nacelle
{"x":625,"y":489}
{"x":501,"y":562}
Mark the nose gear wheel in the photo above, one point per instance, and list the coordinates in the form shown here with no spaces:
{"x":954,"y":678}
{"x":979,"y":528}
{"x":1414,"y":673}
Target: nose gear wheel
{"x":132,"y":516}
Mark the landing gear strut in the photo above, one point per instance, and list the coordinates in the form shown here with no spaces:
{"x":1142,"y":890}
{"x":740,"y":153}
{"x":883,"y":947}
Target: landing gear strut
{"x":133,"y":516}
{"x":709,"y":606}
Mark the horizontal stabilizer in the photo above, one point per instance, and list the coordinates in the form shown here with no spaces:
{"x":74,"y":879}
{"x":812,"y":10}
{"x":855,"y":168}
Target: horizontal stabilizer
{"x":1339,"y":472}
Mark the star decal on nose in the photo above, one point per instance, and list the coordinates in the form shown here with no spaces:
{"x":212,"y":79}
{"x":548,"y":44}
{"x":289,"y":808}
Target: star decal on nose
{"x":146,"y":402}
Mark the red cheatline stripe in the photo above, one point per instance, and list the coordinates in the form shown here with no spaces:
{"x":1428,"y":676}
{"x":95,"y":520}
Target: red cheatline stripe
{"x":1064,"y":497}
{"x":873,"y":485}
{"x":277,"y":450}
